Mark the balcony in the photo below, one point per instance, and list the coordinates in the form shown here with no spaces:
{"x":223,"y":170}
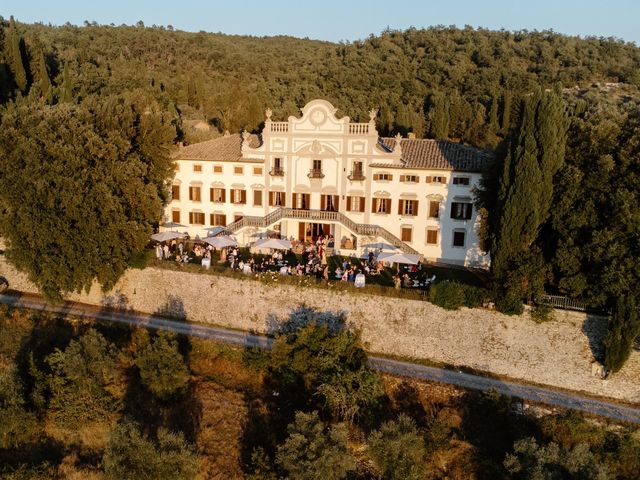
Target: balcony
{"x":277,"y":172}
{"x":315,"y":173}
{"x":356,"y":175}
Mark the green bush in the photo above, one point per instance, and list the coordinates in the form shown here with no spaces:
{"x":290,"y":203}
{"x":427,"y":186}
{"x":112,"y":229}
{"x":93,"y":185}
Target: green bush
{"x":129,"y":454}
{"x":475,"y":297}
{"x":162,"y":367}
{"x":398,"y":450}
{"x":448,"y":295}
{"x":542,"y":313}
{"x":313,"y":450}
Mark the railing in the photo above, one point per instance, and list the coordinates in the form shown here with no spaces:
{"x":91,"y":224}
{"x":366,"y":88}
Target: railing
{"x":565,"y":303}
{"x":279,"y":127}
{"x":356,"y":175}
{"x":358,"y":128}
{"x":322,"y":216}
{"x":277,"y":172}
{"x":315,"y":173}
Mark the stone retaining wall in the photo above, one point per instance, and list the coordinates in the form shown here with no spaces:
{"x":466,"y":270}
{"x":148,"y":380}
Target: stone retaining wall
{"x":557,"y":353}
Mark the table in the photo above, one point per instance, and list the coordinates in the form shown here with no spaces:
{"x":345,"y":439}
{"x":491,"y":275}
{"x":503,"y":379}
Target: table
{"x":360,"y":281}
{"x":206,"y":263}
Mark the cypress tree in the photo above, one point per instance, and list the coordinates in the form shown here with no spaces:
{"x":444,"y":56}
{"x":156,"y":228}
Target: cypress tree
{"x":506,"y":112}
{"x":14,"y":56}
{"x":493,"y":113}
{"x":534,"y":154}
{"x":44,"y":82}
{"x":66,"y":95}
{"x":624,"y":328}
{"x":439,"y":116}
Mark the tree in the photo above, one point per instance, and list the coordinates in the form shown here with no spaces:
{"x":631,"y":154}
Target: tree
{"x":316,"y":358}
{"x":84,"y":381}
{"x":14,"y":54}
{"x":66,"y":94}
{"x":80,"y":187}
{"x":129,"y":454}
{"x":313,"y":450}
{"x":162,"y":367}
{"x":438,"y":116}
{"x":531,"y":461}
{"x":18,"y":426}
{"x":398,"y":450}
{"x":533,"y":155}
{"x":624,"y":328}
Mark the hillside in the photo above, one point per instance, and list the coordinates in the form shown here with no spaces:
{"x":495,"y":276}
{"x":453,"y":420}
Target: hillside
{"x":410,"y":76}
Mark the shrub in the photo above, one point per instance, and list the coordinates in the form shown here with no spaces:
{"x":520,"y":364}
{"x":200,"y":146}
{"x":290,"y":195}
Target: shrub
{"x":129,"y":454}
{"x":162,"y":367}
{"x":84,"y":380}
{"x":448,"y":295}
{"x":398,"y":449}
{"x":475,"y":297}
{"x":624,"y":327}
{"x":312,"y":450}
{"x":542,"y":313}
{"x":315,"y":361}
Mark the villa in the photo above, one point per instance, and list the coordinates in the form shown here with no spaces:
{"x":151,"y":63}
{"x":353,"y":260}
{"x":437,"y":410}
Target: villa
{"x":322,"y":175}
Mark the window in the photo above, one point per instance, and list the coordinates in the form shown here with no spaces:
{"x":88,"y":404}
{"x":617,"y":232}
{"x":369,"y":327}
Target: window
{"x":197,"y":168}
{"x":277,"y":170}
{"x":217,"y":169}
{"x":329,"y":203}
{"x":405,"y":234}
{"x":194,"y":194}
{"x":461,"y":211}
{"x":355,"y":204}
{"x":238,"y":170}
{"x":216,"y":195}
{"x":381,"y":205}
{"x":257,"y":170}
{"x":408,"y":207}
{"x":461,"y":180}
{"x":217,"y":219}
{"x":238,"y":196}
{"x":317,"y":164}
{"x":257,"y":198}
{"x":277,"y":199}
{"x":175,"y":216}
{"x":432,"y":236}
{"x":383,"y":177}
{"x":301,"y":201}
{"x":196,"y":218}
{"x":436,"y":179}
{"x":458,"y":238}
{"x":175,"y":192}
{"x":316,"y":170}
{"x":409,"y":178}
{"x":277,"y":162}
{"x":434,"y":209}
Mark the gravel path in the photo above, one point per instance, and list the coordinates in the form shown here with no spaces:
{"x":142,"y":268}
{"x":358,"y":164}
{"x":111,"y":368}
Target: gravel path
{"x":422,"y":372}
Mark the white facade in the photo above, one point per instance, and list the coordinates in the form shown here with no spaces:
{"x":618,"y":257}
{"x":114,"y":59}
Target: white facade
{"x":319,"y":163}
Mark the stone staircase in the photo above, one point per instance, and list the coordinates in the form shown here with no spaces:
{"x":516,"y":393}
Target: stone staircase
{"x":319,"y":216}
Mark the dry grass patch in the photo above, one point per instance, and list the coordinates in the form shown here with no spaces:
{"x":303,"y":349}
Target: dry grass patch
{"x":224,"y":415}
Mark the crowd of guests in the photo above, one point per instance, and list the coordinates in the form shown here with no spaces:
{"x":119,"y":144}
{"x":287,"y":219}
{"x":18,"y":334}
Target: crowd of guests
{"x":314,"y":262}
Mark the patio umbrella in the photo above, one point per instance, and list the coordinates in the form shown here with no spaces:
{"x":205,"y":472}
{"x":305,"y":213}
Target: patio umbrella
{"x":220,"y":242}
{"x":214,"y":231}
{"x":165,"y":236}
{"x":274,"y":243}
{"x":173,"y":225}
{"x":399,"y":258}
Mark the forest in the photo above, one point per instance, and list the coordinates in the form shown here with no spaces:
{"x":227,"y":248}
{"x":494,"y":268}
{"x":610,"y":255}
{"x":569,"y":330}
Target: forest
{"x":560,"y":113}
{"x":86,"y":400}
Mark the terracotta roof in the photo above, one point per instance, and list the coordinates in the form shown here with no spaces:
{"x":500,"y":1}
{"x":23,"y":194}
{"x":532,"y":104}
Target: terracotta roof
{"x":221,"y":149}
{"x":438,"y":154}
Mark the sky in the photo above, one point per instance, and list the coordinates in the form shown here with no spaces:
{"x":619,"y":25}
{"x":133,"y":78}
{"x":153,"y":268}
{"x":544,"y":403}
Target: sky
{"x":343,"y":20}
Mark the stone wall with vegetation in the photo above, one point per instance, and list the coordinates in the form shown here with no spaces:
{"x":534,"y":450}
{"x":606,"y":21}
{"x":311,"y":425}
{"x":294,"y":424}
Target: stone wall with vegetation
{"x":556,"y":353}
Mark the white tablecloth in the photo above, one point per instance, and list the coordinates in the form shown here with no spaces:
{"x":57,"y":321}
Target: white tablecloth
{"x":206,"y":262}
{"x":360,"y":280}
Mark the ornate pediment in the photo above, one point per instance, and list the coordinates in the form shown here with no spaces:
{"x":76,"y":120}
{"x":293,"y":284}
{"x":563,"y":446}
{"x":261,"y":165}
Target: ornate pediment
{"x":317,"y":149}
